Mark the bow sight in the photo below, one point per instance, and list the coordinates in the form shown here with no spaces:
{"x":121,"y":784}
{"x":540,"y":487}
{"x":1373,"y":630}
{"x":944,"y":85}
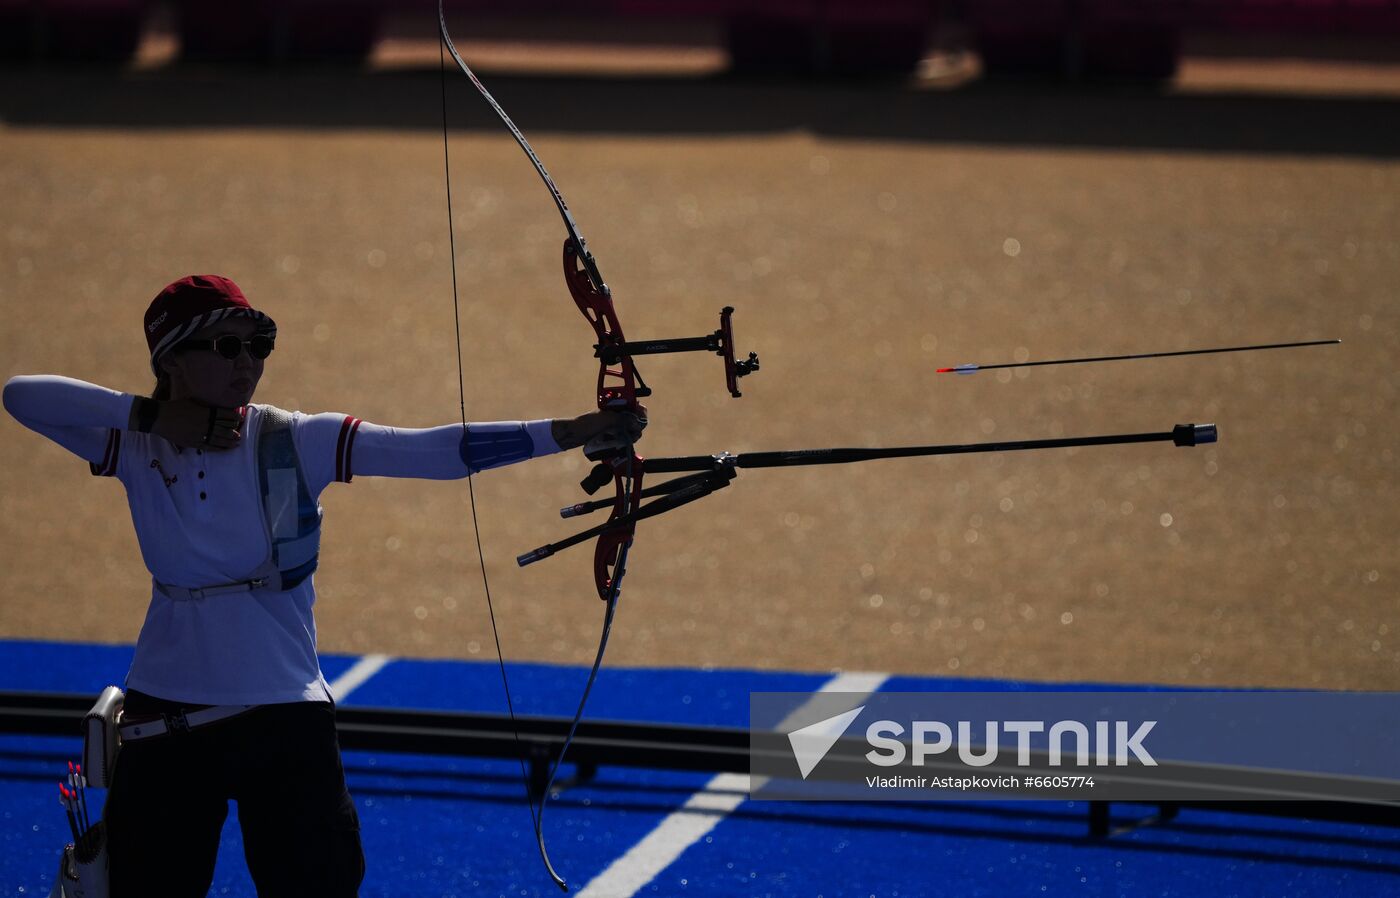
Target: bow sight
{"x":721,"y":343}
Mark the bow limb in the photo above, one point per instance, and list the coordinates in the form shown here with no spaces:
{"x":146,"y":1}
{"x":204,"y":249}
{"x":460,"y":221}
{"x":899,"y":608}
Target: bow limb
{"x":618,"y":389}
{"x":609,"y":554}
{"x":574,"y":236}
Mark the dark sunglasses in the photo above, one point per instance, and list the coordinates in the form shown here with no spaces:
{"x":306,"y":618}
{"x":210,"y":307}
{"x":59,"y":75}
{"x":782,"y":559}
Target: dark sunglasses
{"x":230,"y":347}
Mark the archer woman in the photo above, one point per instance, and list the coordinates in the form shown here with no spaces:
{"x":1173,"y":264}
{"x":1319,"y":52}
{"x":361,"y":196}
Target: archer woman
{"x":225,"y":699}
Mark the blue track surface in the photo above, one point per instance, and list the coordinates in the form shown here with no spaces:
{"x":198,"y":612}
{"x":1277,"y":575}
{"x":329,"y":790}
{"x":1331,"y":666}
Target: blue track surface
{"x":440,"y":827}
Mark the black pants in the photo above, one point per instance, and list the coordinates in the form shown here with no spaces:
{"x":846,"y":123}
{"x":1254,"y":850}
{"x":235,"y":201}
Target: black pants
{"x":281,"y":763}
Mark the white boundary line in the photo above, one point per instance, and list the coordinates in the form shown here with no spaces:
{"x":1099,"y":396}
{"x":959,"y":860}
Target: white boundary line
{"x":645,"y":860}
{"x":356,"y":675}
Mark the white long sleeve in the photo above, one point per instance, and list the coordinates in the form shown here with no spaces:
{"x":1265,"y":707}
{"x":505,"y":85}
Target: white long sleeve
{"x":443,"y":453}
{"x":73,"y":413}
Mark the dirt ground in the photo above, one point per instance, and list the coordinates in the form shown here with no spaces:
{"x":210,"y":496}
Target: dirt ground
{"x":866,"y":234}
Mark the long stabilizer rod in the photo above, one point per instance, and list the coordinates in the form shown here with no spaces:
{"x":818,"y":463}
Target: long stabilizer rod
{"x":718,"y":470}
{"x":973,"y":369}
{"x":1181,"y":435}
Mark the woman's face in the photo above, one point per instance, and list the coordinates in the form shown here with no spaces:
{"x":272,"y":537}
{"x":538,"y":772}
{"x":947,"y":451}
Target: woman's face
{"x":208,"y":377}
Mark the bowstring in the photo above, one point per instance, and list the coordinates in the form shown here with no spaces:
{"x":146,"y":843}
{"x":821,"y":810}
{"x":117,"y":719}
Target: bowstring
{"x":471,"y":490}
{"x":536,"y":816}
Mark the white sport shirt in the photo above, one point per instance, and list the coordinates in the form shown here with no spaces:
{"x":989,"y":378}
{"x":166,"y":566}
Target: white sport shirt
{"x":198,"y":520}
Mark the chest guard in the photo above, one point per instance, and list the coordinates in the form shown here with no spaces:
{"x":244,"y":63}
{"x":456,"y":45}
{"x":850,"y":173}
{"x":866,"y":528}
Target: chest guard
{"x":292,"y":517}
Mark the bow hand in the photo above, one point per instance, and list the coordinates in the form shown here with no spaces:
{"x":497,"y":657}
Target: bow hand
{"x":601,"y":434}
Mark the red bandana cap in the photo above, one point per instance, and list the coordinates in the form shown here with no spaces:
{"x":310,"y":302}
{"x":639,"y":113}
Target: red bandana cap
{"x":193,"y":303}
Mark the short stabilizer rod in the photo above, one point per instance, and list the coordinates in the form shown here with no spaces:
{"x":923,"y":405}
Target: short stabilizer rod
{"x":675,"y":493}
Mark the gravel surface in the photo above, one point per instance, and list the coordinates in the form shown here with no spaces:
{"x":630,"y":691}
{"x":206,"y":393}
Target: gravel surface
{"x":866,"y":234}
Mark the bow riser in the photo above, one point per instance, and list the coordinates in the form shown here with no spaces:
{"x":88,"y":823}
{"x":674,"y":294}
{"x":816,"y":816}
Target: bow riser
{"x":617,"y":391}
{"x":597,"y":306}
